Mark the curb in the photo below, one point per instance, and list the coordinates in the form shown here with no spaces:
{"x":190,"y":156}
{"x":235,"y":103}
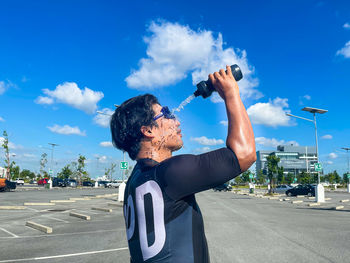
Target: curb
{"x":12,"y":207}
{"x":39,"y":204}
{"x":42,"y":228}
{"x":102,"y":209}
{"x":81,"y":216}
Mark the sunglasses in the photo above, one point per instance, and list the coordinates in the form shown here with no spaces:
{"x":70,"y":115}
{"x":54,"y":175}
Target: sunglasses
{"x":166,"y":113}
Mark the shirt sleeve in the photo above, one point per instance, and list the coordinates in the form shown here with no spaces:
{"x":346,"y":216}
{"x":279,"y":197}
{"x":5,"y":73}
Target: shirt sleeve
{"x":187,"y":174}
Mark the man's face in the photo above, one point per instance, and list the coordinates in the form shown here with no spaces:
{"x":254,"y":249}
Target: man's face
{"x":168,"y":133}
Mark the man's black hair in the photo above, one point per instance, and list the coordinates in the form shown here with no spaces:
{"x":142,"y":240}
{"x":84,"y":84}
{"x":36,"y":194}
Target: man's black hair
{"x":127,"y":120}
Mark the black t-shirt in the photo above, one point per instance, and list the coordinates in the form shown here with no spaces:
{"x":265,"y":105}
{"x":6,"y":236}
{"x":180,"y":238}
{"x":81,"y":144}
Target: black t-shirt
{"x":163,"y":220}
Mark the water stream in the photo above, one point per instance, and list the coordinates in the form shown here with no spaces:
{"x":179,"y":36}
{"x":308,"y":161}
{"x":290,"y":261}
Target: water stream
{"x":184,"y":103}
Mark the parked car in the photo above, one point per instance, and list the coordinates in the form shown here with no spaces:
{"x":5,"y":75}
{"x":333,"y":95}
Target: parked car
{"x":306,"y":189}
{"x":71,"y":182}
{"x":43,"y":181}
{"x":88,"y":183}
{"x":20,"y":181}
{"x":33,"y":181}
{"x":6,"y":185}
{"x":114,"y":184}
{"x":102,"y":183}
{"x":281,"y":189}
{"x":223,"y":187}
{"x":58,"y":182}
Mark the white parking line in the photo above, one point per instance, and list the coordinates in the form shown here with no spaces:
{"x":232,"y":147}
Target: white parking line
{"x":8,"y":232}
{"x":67,"y":234}
{"x":66,"y":255}
{"x":54,"y":218}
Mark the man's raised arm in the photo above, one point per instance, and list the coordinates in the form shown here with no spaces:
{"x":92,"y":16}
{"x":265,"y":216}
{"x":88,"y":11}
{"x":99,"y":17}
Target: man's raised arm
{"x":240,"y":136}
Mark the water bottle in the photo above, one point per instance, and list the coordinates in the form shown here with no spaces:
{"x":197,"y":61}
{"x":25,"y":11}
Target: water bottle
{"x":206,"y":88}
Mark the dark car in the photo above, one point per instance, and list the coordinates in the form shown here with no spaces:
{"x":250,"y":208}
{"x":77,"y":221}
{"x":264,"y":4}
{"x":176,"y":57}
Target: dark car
{"x":58,"y":182}
{"x":223,"y":187}
{"x":302,"y":189}
{"x":103,"y":183}
{"x":71,"y":182}
{"x":88,"y":183}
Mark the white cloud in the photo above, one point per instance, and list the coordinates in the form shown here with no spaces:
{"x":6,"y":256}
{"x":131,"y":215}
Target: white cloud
{"x":2,"y":119}
{"x":69,"y":93}
{"x":267,"y":142}
{"x":345,"y":51}
{"x":346,"y":26}
{"x":29,"y":155}
{"x":329,"y":162}
{"x":332,"y":155}
{"x":225,"y":123}
{"x":174,"y":51}
{"x":272,"y":113}
{"x":66,"y":130}
{"x":106,"y":144}
{"x":104,"y":118}
{"x":5,"y":86}
{"x":205,"y":141}
{"x":307,"y":97}
{"x":327,"y":137}
{"x":44,"y":100}
{"x":202,"y":150}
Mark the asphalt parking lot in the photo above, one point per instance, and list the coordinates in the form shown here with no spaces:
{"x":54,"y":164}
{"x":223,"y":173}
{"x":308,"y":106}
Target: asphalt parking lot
{"x":239,"y":227}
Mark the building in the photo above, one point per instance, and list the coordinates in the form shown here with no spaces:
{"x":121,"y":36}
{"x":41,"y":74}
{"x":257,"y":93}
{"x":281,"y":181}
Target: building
{"x":294,"y":159}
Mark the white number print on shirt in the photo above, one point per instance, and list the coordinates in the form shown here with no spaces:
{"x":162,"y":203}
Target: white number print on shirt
{"x":152,"y":188}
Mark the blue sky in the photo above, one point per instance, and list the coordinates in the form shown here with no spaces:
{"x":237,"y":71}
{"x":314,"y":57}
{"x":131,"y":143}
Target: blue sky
{"x":61,"y":61}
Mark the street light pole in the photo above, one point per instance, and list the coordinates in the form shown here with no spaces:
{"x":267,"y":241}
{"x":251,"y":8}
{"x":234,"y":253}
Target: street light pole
{"x":320,"y":188}
{"x":52,"y":149}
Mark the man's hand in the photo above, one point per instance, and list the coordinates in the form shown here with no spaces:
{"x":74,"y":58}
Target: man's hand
{"x":224,"y":83}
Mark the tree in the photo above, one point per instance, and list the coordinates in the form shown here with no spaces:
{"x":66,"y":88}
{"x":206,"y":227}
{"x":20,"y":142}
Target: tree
{"x":245,"y":176}
{"x":290,"y":178}
{"x":109,"y":171}
{"x":15,"y":171}
{"x":345,"y":178}
{"x":280,"y":175}
{"x":238,"y":180}
{"x":27,"y":174}
{"x":304,"y":178}
{"x":65,"y":173}
{"x":260,"y":177}
{"x":43,"y":162}
{"x":81,"y":168}
{"x":8,"y":164}
{"x":272,"y":166}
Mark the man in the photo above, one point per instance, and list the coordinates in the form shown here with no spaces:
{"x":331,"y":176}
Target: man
{"x":163,"y":220}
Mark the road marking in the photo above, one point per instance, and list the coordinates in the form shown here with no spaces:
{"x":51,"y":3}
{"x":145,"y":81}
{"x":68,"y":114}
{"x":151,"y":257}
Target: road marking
{"x":8,"y":232}
{"x":54,"y":218}
{"x":66,"y":255}
{"x":67,"y":234}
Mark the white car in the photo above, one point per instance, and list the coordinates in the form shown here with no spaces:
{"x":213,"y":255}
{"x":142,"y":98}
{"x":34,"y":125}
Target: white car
{"x":281,"y":189}
{"x":20,"y":181}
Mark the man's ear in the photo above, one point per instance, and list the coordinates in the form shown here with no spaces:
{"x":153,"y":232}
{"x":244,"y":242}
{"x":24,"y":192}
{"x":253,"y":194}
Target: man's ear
{"x":147,"y":131}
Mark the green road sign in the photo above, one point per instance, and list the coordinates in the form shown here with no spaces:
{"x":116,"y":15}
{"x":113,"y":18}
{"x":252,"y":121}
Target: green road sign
{"x":123,"y":165}
{"x":318,"y":167}
{"x":251,"y":176}
{"x":50,"y":172}
{"x":349,"y":176}
{"x":295,"y":179}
